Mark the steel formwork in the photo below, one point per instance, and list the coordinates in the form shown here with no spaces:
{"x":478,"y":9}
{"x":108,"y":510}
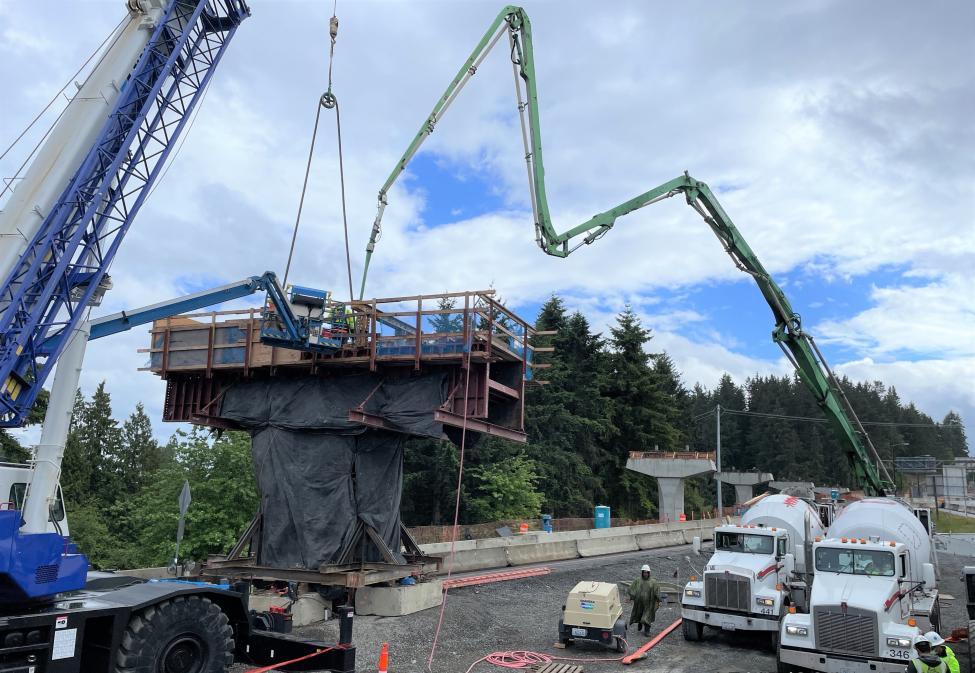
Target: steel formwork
{"x":485,"y":351}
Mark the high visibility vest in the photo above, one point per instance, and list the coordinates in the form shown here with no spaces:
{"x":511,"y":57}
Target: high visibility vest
{"x":951,"y":661}
{"x":350,"y":318}
{"x":921,"y":667}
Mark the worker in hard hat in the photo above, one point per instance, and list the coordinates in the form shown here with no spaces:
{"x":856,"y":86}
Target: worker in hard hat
{"x":926,"y":660}
{"x":350,"y":321}
{"x":645,"y":594}
{"x":944,"y":652}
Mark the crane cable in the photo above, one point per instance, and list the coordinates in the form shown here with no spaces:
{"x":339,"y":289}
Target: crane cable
{"x":327,"y":101}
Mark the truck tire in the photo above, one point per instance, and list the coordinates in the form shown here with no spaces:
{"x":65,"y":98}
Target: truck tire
{"x":620,"y":644}
{"x":774,"y":642}
{"x":183,"y":635}
{"x":786,"y":668}
{"x":692,"y":630}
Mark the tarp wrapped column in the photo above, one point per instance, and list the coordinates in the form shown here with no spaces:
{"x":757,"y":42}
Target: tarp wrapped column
{"x":321,"y":476}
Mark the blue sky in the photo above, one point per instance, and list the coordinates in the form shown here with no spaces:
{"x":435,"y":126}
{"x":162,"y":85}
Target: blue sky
{"x":836,"y":139}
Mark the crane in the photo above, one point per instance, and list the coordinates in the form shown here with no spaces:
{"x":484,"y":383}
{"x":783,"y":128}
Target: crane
{"x":796,"y":343}
{"x":60,"y":231}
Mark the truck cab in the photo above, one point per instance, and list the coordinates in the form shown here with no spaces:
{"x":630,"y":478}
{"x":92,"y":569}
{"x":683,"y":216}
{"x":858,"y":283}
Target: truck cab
{"x":14,"y":478}
{"x":867,"y":608}
{"x":745,"y":582}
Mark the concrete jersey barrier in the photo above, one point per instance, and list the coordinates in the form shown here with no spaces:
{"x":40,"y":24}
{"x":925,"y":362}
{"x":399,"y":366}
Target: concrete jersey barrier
{"x":518,"y":550}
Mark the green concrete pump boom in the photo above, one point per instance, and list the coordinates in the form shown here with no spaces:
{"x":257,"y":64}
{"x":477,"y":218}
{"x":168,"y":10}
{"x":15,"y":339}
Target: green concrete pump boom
{"x":798,"y":346}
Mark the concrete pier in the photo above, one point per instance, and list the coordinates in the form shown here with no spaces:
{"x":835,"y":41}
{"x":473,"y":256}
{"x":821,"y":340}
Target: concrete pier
{"x":670,"y":469}
{"x":744,"y":482}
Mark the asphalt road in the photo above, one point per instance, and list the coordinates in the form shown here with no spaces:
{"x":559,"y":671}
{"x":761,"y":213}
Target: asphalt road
{"x":523,"y":615}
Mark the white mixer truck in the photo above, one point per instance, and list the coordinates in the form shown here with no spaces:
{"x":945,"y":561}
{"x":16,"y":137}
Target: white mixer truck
{"x":749,"y":580}
{"x":874,"y":593}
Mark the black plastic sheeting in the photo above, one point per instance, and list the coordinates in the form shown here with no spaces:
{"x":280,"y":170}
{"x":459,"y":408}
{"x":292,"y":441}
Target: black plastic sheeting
{"x":321,"y":475}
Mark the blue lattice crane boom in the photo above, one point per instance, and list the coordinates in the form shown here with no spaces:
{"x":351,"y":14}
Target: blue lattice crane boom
{"x":56,"y":265}
{"x":59,"y":232}
{"x":63,"y":225}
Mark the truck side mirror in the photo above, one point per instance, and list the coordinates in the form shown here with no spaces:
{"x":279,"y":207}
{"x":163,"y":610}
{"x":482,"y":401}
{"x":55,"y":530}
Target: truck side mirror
{"x":927,"y":574}
{"x":696,"y":543}
{"x":789,"y":564}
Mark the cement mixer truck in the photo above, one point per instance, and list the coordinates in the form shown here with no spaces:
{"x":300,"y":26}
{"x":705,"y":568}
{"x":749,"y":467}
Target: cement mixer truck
{"x":756,"y":572}
{"x":875,"y":592}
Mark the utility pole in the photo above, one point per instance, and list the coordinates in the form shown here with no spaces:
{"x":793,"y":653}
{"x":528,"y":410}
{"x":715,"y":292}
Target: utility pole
{"x":717,"y":409}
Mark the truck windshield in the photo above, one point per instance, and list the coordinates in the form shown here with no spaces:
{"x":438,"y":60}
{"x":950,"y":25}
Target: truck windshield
{"x":855,"y":561}
{"x":745,"y":543}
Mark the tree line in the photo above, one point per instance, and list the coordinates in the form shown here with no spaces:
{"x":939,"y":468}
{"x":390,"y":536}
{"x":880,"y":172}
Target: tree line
{"x":608,"y":395}
{"x":604,"y":396}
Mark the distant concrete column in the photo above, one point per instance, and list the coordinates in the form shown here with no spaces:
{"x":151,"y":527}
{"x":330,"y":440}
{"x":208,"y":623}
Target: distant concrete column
{"x":744,"y":482}
{"x":670,"y":469}
{"x":670,"y":498}
{"x":744,"y":493}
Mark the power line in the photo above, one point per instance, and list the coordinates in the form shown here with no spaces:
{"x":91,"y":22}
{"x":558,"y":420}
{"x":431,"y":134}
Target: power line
{"x":808,"y":419}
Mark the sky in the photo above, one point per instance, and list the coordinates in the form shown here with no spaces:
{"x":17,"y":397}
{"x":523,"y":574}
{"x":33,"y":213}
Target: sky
{"x":838,"y":137}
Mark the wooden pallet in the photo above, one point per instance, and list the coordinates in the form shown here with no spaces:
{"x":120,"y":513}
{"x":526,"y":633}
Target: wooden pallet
{"x":556,"y":667}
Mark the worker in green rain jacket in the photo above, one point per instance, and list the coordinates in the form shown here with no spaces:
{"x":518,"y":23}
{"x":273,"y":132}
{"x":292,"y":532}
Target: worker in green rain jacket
{"x":645,"y":594}
{"x":943,"y":651}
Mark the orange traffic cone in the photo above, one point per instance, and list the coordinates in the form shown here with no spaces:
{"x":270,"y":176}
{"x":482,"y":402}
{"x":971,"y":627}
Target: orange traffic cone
{"x":384,"y":659}
{"x":682,"y":517}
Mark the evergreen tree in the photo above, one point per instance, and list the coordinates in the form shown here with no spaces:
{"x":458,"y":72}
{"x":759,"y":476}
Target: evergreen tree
{"x":567,"y":418}
{"x":642,"y":415}
{"x":76,"y":467}
{"x":100,"y":438}
{"x":953,"y":435}
{"x":138,"y":454}
{"x":447,"y":323}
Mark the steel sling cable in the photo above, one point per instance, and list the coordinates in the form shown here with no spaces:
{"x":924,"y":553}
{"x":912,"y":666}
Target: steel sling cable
{"x":460,"y":477}
{"x":327,"y":101}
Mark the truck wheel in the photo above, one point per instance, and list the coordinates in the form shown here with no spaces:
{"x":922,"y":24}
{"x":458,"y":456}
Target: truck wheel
{"x":620,"y":644}
{"x":182,"y":635}
{"x":773,"y":642}
{"x":786,"y":668}
{"x":692,"y":630}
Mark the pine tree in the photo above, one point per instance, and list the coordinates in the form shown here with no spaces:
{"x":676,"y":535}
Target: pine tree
{"x":100,"y":439}
{"x":567,"y":420}
{"x":138,"y":454}
{"x":76,"y":468}
{"x":953,"y":435}
{"x":642,"y":414}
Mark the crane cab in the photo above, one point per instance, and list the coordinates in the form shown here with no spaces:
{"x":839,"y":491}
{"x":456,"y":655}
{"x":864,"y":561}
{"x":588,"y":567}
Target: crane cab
{"x":14,"y":478}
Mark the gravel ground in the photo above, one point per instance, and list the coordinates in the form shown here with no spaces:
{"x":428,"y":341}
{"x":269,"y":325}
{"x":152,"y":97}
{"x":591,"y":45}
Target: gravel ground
{"x":523,"y":614}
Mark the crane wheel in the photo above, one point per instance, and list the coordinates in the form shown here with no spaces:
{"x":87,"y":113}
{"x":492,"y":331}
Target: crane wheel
{"x":182,"y":635}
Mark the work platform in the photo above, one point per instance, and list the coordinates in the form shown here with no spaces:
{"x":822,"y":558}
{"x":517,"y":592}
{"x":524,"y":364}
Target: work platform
{"x":200,"y":356}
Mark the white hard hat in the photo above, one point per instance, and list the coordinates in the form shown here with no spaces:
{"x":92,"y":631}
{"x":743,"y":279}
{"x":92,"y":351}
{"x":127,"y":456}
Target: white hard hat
{"x":933,"y":638}
{"x":645,"y":568}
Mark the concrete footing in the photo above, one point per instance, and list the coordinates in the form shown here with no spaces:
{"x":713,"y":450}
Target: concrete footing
{"x":398,"y":600}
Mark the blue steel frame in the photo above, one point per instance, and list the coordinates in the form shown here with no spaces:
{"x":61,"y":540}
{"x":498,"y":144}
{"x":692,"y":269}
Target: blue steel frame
{"x":46,"y":294}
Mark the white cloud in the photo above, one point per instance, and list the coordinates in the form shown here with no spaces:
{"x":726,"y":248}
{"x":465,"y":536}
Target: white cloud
{"x":935,"y":386}
{"x":934,"y":318}
{"x":838,"y":150}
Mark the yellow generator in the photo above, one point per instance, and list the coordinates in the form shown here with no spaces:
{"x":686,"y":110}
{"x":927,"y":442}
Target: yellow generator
{"x":593,"y":612}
